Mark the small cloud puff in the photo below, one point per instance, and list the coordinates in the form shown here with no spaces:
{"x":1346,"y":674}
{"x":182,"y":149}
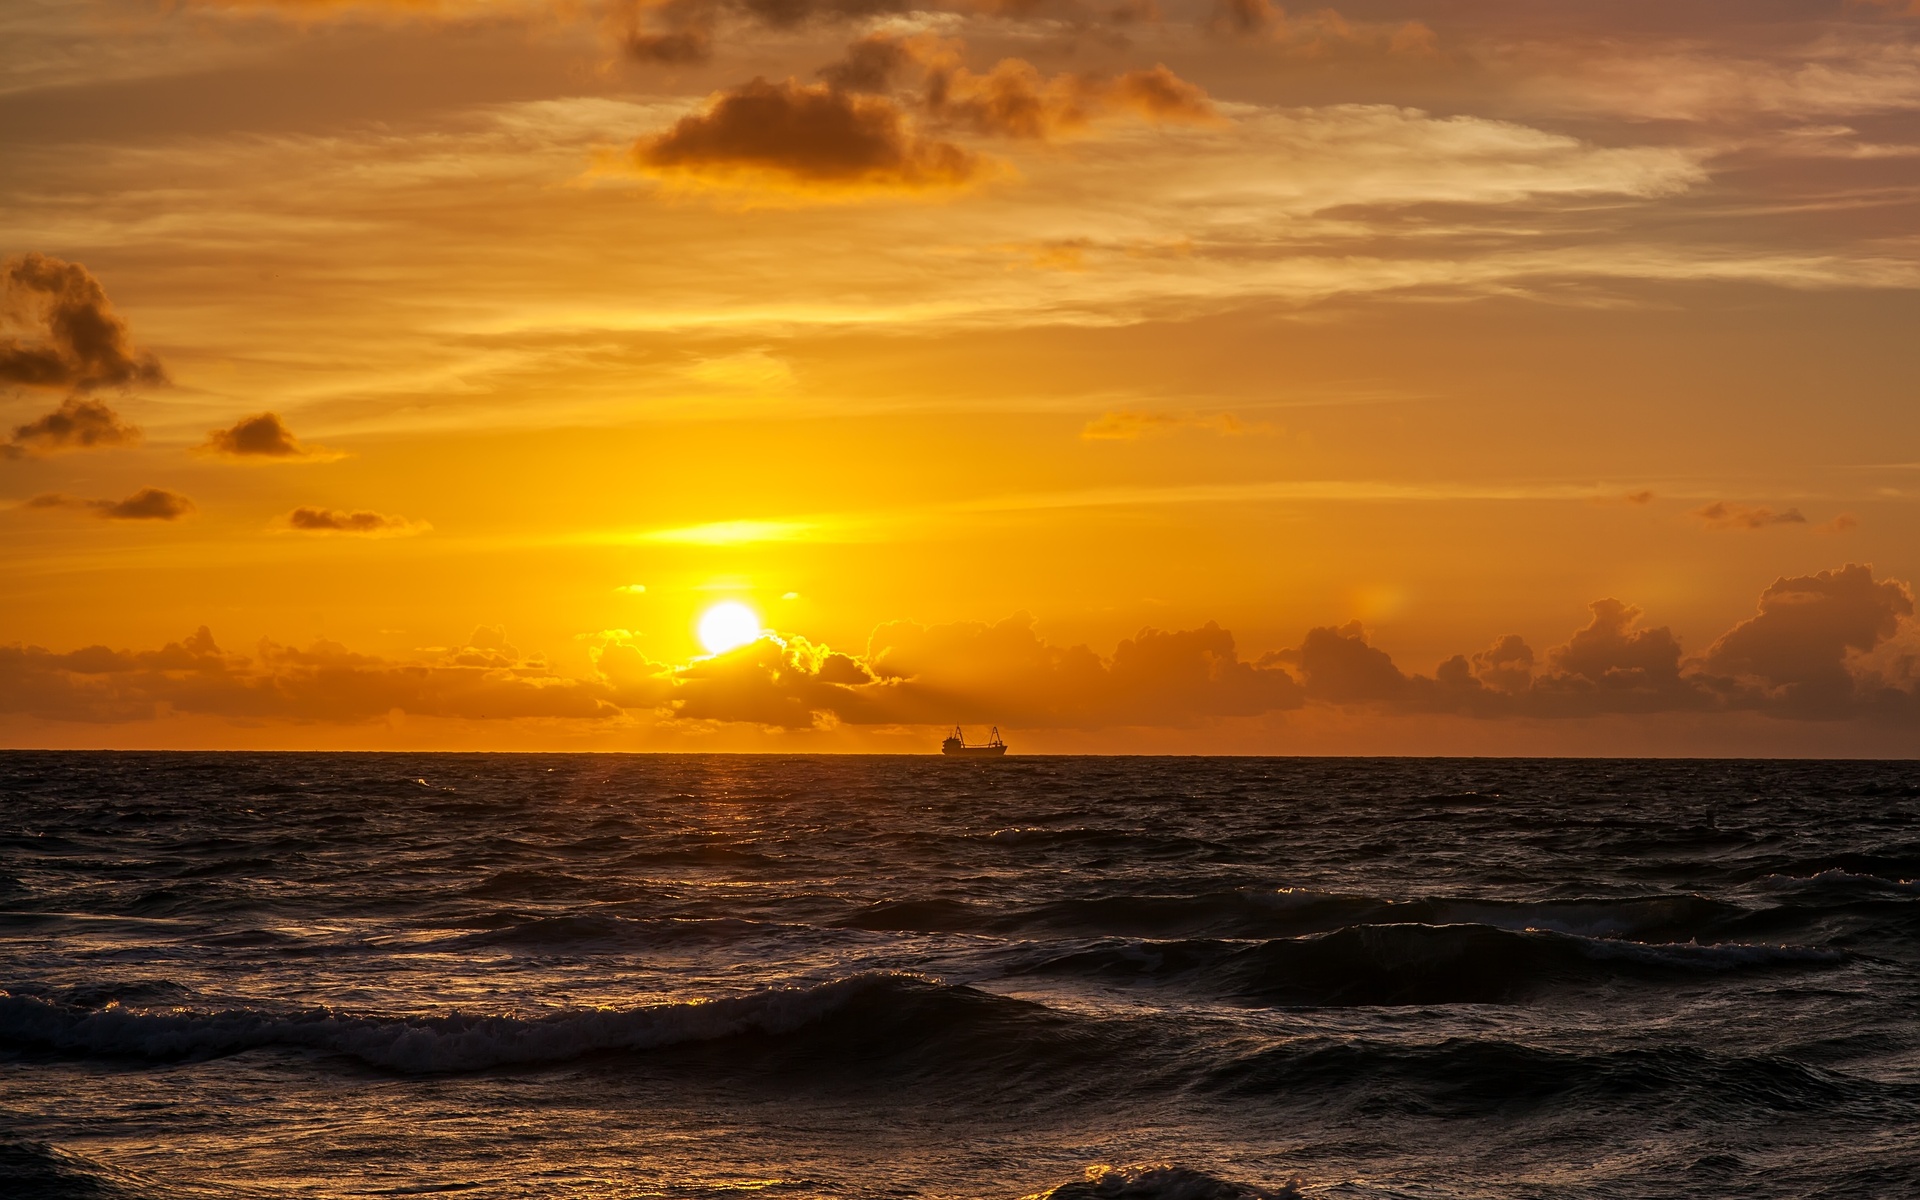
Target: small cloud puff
{"x":76,"y":425}
{"x":147,"y":504}
{"x":808,"y":138}
{"x":1722,"y":515}
{"x":263,"y":437}
{"x":359,"y":523}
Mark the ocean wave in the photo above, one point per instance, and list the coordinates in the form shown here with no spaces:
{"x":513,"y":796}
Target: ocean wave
{"x":1293,"y":912}
{"x":1161,"y":1181}
{"x":1835,"y":879}
{"x":1463,"y":1077}
{"x":862,"y":1016}
{"x":600,"y":929}
{"x":1419,"y":964}
{"x":33,"y":1170}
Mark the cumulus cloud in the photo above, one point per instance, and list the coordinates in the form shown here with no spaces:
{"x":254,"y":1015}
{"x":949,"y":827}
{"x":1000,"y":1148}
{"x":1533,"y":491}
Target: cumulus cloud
{"x":1838,"y":644}
{"x":78,"y":424}
{"x":1722,"y":515}
{"x":262,"y":437}
{"x":323,"y":681}
{"x":811,"y":137}
{"x":147,"y":504}
{"x":57,"y":330}
{"x":856,"y":130}
{"x":1795,"y":650}
{"x":358,"y":522}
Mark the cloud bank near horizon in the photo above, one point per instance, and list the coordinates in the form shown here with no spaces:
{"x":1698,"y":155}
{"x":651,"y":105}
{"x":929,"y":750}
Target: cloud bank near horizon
{"x":1838,"y":645}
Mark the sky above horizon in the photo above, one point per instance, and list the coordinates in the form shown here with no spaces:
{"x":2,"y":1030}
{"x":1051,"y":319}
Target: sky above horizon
{"x":1475,"y":376}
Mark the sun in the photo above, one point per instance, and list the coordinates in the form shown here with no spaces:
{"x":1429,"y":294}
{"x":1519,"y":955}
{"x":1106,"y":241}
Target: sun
{"x":725,"y":626}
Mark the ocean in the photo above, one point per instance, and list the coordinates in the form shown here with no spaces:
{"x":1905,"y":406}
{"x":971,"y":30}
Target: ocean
{"x":714,"y":977}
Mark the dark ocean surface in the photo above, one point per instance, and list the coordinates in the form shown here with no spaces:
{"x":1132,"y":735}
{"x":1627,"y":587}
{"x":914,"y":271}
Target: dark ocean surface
{"x":234,"y":975}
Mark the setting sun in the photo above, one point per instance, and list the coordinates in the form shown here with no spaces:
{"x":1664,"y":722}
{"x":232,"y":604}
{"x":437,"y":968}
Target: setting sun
{"x":726,"y":626}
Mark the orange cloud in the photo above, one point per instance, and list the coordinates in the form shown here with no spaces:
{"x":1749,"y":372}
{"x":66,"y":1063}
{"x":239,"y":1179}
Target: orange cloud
{"x":76,"y":425}
{"x":359,"y":522}
{"x":57,"y":330}
{"x":147,"y":504}
{"x":1827,"y":646}
{"x":263,"y":437}
{"x":322,"y":682}
{"x":1127,"y":425}
{"x":1722,"y":515}
{"x":812,"y":137}
{"x":1795,"y":650}
{"x":1014,"y":100}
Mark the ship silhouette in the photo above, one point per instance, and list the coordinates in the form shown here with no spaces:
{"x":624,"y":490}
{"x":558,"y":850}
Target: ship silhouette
{"x":956,"y":745}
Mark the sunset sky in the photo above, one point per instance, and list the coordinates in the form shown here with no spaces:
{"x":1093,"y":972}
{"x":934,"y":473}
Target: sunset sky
{"x":1416,"y":376}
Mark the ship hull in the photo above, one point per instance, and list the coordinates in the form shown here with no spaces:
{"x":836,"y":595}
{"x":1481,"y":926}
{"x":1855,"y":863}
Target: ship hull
{"x":973,"y":751}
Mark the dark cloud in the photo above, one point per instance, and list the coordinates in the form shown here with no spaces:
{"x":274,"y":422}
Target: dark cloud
{"x":872,"y":64}
{"x":1243,"y":18}
{"x":854,"y":130}
{"x":76,"y":425}
{"x":60,"y":331}
{"x":1505,"y":666}
{"x":1839,"y":644}
{"x":1795,"y":650}
{"x":1015,"y":100}
{"x":1007,"y":672}
{"x":362,"y":522}
{"x":1614,"y":653}
{"x":1722,"y":515}
{"x":147,"y":504}
{"x":1340,"y":667}
{"x":321,"y":682}
{"x":681,"y":32}
{"x":814,"y":136}
{"x":264,"y":437}
{"x":681,"y":48}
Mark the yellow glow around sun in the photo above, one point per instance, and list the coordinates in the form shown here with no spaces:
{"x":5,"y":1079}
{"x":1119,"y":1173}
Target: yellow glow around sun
{"x":725,"y":626}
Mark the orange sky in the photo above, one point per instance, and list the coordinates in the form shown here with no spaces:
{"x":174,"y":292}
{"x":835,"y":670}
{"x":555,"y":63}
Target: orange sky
{"x":1468,"y":376}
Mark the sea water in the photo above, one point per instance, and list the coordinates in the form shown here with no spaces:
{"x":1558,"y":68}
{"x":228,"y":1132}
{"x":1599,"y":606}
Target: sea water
{"x":329,"y":975}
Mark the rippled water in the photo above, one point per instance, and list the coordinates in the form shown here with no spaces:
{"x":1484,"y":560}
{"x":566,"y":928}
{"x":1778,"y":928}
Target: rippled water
{"x":525,"y":975}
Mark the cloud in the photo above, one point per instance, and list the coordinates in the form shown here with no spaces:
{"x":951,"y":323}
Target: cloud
{"x":147,"y":504}
{"x":263,"y":437}
{"x":1322,"y":33}
{"x":321,"y":682}
{"x":849,"y":133}
{"x":1007,"y":673}
{"x":1127,"y":425}
{"x":78,"y":424}
{"x":1836,"y":645}
{"x":809,"y":138}
{"x":1795,"y":650}
{"x":1722,"y":515}
{"x":72,"y":337}
{"x":1015,"y":100}
{"x":359,"y":522}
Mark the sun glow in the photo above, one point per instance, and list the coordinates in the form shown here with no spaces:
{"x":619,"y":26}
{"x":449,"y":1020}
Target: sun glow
{"x":725,"y":626}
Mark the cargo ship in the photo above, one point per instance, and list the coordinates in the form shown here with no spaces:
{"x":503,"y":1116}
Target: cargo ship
{"x":956,"y":744}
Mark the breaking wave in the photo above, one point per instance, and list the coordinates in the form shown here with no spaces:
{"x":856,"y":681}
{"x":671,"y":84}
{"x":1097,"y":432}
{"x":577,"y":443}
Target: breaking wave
{"x":875,"y":1014}
{"x":1415,"y":964}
